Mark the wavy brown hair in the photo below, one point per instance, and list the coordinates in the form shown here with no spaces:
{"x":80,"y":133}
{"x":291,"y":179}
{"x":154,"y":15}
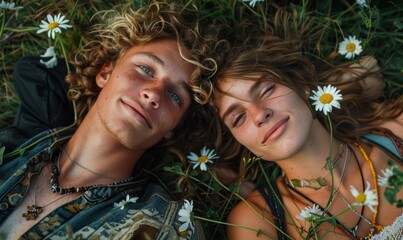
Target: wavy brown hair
{"x":284,"y":62}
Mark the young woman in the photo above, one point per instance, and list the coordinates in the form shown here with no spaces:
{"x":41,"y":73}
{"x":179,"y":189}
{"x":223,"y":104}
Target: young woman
{"x":262,"y":95}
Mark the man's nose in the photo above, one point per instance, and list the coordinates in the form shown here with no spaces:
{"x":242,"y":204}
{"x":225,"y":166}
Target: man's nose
{"x":152,"y":96}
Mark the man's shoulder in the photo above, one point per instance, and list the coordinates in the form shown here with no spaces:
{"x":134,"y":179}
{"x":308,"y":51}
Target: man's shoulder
{"x":34,"y":145}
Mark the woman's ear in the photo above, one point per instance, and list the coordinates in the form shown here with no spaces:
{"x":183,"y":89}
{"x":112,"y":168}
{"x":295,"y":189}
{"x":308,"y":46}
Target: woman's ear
{"x":169,"y":136}
{"x":103,"y":75}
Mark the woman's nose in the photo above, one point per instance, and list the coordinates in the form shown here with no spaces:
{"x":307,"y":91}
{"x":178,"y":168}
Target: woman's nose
{"x":260,"y":114}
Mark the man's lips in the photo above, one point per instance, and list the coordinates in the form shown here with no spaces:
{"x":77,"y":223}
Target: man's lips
{"x":137,"y":111}
{"x":274,"y":128}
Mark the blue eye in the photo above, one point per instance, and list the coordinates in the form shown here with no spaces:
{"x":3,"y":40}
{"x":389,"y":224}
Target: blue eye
{"x":146,"y":70}
{"x":176,"y":98}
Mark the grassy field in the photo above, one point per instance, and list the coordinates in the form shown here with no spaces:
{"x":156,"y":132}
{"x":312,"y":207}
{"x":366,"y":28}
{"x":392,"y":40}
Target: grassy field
{"x":379,"y":26}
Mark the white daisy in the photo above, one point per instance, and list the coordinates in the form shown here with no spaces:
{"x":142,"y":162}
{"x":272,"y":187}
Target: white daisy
{"x":252,"y":3}
{"x":326,"y":98}
{"x":362,"y":3}
{"x":185,"y":216}
{"x":310,"y":213}
{"x":9,"y":6}
{"x":387,"y":174}
{"x":53,"y":25}
{"x":206,"y":156}
{"x":123,"y":203}
{"x":350,"y":47}
{"x":50,"y":54}
{"x":367,"y":198}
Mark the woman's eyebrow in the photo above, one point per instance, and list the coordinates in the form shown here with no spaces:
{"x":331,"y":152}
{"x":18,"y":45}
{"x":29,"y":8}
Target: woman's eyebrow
{"x":229,"y":110}
{"x":255,"y":86}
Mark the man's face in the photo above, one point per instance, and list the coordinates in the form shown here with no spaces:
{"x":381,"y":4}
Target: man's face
{"x":145,"y":95}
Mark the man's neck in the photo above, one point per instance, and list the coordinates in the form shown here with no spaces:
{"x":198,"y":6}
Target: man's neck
{"x":92,"y":149}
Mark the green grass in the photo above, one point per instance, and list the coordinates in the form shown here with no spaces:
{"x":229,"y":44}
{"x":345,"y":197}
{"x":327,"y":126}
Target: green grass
{"x":380,"y":28}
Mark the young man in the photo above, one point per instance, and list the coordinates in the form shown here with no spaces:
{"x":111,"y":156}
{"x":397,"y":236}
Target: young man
{"x":133,"y":84}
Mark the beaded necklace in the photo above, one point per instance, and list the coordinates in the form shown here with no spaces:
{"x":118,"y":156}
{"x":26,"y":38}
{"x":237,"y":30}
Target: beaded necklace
{"x":34,"y":210}
{"x":374,"y":227}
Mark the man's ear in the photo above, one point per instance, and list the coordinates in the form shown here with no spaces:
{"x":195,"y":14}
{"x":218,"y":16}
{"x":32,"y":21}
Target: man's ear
{"x":103,"y":75}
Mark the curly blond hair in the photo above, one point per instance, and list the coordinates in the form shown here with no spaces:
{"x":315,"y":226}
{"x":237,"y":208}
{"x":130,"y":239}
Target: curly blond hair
{"x":120,"y":30}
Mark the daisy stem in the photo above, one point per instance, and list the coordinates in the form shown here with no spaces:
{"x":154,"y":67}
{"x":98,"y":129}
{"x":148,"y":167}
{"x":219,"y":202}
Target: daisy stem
{"x":329,"y":162}
{"x":3,"y":23}
{"x":22,"y":30}
{"x":64,"y":53}
{"x":326,"y":219}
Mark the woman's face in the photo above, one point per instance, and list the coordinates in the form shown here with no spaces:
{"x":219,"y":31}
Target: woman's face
{"x":269,"y":119}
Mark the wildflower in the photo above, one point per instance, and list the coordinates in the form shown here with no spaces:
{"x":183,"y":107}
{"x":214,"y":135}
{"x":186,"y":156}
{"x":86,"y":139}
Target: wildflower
{"x":123,"y":203}
{"x":362,"y":3}
{"x":326,"y":98}
{"x":206,"y":156}
{"x":350,"y":47}
{"x":185,"y":216}
{"x":50,"y":53}
{"x":9,"y":6}
{"x":53,"y":25}
{"x":367,"y":198}
{"x":387,"y":174}
{"x":310,"y":213}
{"x":252,"y":3}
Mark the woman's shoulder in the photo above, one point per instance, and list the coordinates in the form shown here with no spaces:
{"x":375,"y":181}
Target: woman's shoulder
{"x":249,"y":217}
{"x":387,"y":137}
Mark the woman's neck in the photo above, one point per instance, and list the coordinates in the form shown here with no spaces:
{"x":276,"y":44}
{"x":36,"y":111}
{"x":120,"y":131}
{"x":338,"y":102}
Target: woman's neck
{"x":311,"y":160}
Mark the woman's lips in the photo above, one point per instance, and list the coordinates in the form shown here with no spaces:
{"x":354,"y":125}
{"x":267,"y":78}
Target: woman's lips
{"x":275,"y":130}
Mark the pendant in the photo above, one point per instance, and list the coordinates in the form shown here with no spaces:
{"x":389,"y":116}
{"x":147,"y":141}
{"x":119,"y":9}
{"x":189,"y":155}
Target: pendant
{"x":32,"y":212}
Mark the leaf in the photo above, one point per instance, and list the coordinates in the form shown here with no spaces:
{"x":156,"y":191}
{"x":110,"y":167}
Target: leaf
{"x":390,"y":195}
{"x":398,"y":24}
{"x":332,"y":221}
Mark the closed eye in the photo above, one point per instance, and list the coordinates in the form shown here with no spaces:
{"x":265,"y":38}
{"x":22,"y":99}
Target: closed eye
{"x":267,"y":91}
{"x":146,"y":69}
{"x":238,"y":120}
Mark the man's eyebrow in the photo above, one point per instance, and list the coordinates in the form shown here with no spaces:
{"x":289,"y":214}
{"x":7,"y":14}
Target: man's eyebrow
{"x":153,"y":57}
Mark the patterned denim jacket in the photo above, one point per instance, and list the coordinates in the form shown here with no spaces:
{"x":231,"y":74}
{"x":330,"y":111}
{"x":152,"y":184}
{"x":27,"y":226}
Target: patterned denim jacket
{"x":93,"y":215}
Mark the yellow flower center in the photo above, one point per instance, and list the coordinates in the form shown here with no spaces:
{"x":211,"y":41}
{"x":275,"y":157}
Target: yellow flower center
{"x":326,"y":98}
{"x":53,"y":25}
{"x":361,"y":198}
{"x":202,"y":159}
{"x":350,"y":47}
